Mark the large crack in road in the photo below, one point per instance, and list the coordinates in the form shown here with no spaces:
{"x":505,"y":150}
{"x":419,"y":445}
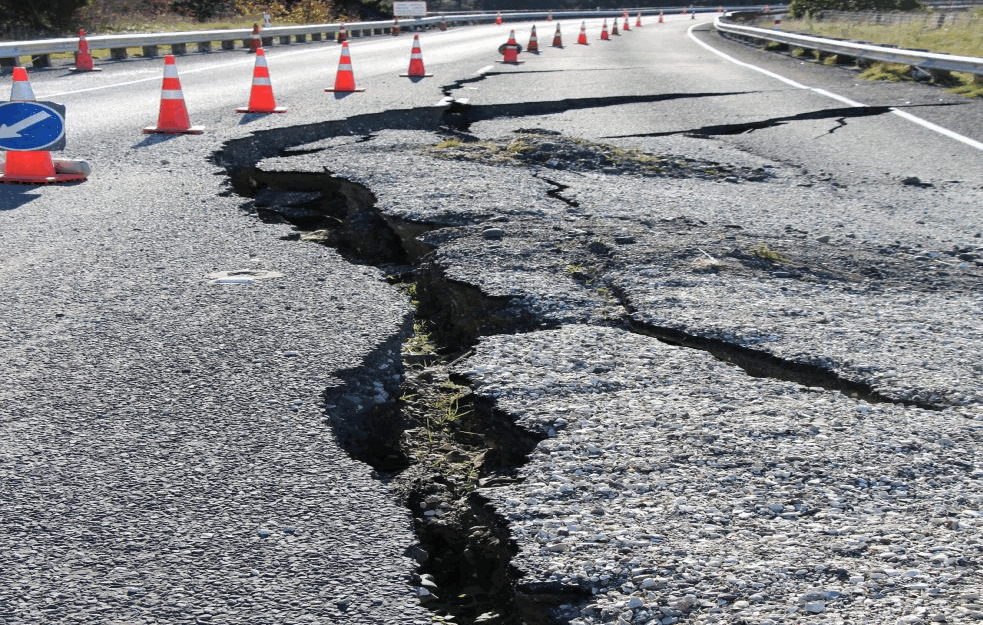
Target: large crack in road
{"x":440,"y":442}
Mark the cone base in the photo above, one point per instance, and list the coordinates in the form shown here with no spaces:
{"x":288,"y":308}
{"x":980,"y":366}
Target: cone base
{"x":356,"y":90}
{"x":416,"y":75}
{"x":193,"y":130}
{"x":78,"y":71}
{"x":510,"y":62}
{"x":5,"y":179}
{"x":246,"y":109}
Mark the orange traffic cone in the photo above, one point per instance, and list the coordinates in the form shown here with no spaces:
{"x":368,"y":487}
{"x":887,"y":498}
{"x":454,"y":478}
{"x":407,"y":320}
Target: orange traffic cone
{"x":510,"y":50}
{"x":344,"y":82}
{"x":661,"y":21}
{"x":614,"y":27}
{"x":173,"y":117}
{"x":261,"y":95}
{"x":604,"y":31}
{"x":684,"y":11}
{"x":342,"y":34}
{"x":395,"y":29}
{"x":549,"y":16}
{"x":582,"y":37}
{"x":533,"y":41}
{"x":720,"y":9}
{"x":416,"y":69}
{"x":36,"y":166}
{"x":83,"y":58}
{"x":638,"y":20}
{"x":254,"y":41}
{"x":627,"y":26}
{"x":557,"y":38}
{"x":498,"y":17}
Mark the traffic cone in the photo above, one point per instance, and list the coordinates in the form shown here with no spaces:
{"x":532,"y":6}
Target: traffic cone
{"x":344,"y":82}
{"x":557,"y":38}
{"x":720,"y":9}
{"x":549,"y":16}
{"x":261,"y":95}
{"x":627,"y":26}
{"x":638,"y":20}
{"x":692,"y":14}
{"x":83,"y":59}
{"x":684,"y":11}
{"x":254,"y":41}
{"x":342,"y":34}
{"x":582,"y":37}
{"x":510,"y":50}
{"x":416,"y":69}
{"x":661,"y":21}
{"x":498,"y":17}
{"x":395,"y":30}
{"x":173,"y":117}
{"x":533,"y":41}
{"x":604,"y":31}
{"x":614,"y":27}
{"x":36,"y":166}
{"x":767,"y":9}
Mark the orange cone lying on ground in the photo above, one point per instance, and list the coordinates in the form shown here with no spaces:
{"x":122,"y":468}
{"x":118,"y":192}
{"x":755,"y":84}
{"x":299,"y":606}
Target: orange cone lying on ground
{"x":557,"y":38}
{"x":638,"y":20}
{"x":344,"y":82}
{"x":173,"y":117}
{"x":416,"y":69}
{"x":533,"y":42}
{"x":582,"y":37}
{"x":604,"y":31}
{"x":36,"y":166}
{"x":83,"y":58}
{"x":510,"y":50}
{"x":261,"y":98}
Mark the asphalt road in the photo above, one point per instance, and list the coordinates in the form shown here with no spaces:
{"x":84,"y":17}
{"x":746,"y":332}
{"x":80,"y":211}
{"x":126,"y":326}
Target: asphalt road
{"x":165,"y":455}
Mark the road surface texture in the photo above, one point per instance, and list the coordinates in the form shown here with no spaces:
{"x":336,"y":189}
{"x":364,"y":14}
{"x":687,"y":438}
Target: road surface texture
{"x":628,"y":333}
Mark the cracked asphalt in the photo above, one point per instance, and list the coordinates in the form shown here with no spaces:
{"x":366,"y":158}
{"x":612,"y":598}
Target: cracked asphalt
{"x":166,"y":455}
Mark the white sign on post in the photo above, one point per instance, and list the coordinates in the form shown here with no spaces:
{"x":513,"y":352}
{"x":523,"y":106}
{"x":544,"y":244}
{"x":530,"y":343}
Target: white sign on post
{"x":409,"y":9}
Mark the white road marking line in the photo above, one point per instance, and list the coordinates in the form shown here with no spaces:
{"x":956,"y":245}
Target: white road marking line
{"x":788,"y":81}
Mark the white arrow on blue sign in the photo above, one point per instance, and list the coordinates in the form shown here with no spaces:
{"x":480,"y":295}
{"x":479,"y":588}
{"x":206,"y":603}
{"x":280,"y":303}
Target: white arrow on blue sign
{"x":28,"y":126}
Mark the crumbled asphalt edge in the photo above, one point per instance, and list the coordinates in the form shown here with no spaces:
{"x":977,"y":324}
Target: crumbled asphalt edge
{"x":469,"y":541}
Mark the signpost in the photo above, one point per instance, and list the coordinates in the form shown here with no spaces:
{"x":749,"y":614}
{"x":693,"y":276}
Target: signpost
{"x":409,"y":9}
{"x":32,"y":126}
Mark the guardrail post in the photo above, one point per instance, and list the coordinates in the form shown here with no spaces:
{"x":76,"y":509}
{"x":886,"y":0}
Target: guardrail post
{"x":285,"y":40}
{"x":117,"y":54}
{"x":229,"y":44}
{"x":302,"y":38}
{"x":41,"y":60}
{"x":267,"y":41}
{"x":150,"y":51}
{"x":204,"y":46}
{"x":315,"y":36}
{"x":179,"y":48}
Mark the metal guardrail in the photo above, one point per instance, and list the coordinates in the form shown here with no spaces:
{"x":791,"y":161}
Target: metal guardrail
{"x":178,"y":41}
{"x":937,"y":61}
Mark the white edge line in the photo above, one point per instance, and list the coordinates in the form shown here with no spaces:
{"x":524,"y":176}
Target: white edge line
{"x":902,"y":114}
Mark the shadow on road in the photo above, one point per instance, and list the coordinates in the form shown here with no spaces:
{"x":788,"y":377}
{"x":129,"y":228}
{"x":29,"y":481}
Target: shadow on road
{"x":154,"y":139}
{"x":16,"y":195}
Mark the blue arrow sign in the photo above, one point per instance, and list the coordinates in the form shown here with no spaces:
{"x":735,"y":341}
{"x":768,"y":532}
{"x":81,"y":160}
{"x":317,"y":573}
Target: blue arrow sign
{"x":32,"y":126}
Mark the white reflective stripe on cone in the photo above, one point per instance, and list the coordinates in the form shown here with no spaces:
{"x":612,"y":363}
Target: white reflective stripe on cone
{"x":170,"y":71}
{"x":416,"y":55}
{"x":261,"y":61}
{"x":344,"y":68}
{"x":171,"y":94}
{"x":22,"y":91}
{"x":261,"y":81}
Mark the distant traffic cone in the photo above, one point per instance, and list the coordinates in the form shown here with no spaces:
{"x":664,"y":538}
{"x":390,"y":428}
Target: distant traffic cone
{"x":661,"y":20}
{"x":684,"y":11}
{"x":342,"y":34}
{"x":498,"y":17}
{"x":173,"y":117}
{"x":510,"y":50}
{"x":395,"y":29}
{"x":720,"y":9}
{"x":36,"y":166}
{"x":582,"y":37}
{"x":767,"y":9}
{"x":344,"y":82}
{"x":557,"y":38}
{"x":254,"y":40}
{"x":416,"y":69}
{"x":627,"y":26}
{"x":83,"y":58}
{"x":604,"y":31}
{"x":692,"y":15}
{"x":261,"y":98}
{"x":549,"y":16}
{"x":638,"y":20}
{"x":533,"y":41}
{"x":614,"y":27}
